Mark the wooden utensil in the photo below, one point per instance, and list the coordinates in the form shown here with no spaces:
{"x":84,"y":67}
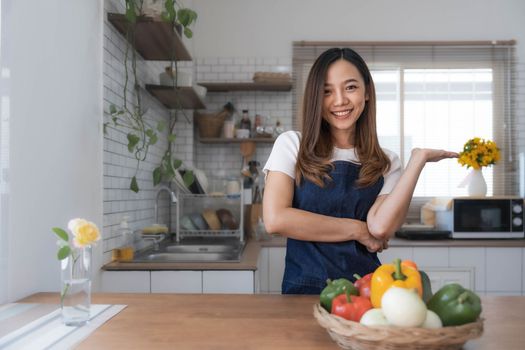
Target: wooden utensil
{"x":247,"y":150}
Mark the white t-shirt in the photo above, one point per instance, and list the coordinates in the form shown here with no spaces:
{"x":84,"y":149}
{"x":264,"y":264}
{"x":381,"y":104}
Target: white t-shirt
{"x":286,"y":147}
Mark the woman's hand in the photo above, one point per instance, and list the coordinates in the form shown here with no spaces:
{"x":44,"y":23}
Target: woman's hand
{"x":432,"y":155}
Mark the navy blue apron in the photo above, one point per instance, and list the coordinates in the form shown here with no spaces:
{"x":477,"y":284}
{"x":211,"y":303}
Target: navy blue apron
{"x":309,"y":264}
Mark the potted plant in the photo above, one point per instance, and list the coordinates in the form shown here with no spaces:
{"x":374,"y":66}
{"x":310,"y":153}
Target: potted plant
{"x":141,"y":133}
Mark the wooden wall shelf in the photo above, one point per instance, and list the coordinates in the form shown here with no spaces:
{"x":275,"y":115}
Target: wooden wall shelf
{"x":171,"y":97}
{"x":154,"y":39}
{"x":248,"y":86}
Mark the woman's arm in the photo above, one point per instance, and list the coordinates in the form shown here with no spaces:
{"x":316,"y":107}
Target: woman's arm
{"x":389,"y":211}
{"x":280,"y":217}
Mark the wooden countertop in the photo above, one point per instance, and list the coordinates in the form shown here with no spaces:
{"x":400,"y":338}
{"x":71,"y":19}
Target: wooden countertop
{"x":223,"y":321}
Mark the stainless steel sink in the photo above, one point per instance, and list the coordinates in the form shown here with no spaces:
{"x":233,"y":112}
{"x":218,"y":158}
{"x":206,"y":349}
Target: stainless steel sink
{"x":194,"y":251}
{"x":210,"y":248}
{"x":189,"y":257}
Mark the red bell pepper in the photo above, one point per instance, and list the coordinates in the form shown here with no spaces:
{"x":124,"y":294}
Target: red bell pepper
{"x":363,"y":284}
{"x":350,"y":307}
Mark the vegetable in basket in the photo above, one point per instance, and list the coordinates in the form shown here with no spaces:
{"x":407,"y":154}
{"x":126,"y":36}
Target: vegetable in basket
{"x":403,"y":307}
{"x":333,"y":289}
{"x":396,"y":274}
{"x":374,"y":317}
{"x":363,"y":284}
{"x":455,"y":305}
{"x":350,"y":307}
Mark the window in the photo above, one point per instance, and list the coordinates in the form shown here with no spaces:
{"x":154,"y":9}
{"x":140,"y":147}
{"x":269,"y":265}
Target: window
{"x":436,"y":95}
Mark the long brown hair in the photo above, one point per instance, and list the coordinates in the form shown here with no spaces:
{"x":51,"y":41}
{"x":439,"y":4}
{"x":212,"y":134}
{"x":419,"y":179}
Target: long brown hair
{"x":316,"y":147}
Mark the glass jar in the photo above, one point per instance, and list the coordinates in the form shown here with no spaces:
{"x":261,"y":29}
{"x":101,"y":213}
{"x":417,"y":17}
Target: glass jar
{"x":245,"y":123}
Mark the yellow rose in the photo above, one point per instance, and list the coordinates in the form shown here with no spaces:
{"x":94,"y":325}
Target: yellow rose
{"x":84,"y":232}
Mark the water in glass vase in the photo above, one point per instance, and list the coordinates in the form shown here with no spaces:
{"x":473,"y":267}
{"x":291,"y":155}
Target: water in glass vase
{"x":75,"y":297}
{"x":76,"y":301}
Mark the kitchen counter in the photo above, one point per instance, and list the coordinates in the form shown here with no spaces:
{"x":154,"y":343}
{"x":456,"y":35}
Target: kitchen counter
{"x":223,"y":321}
{"x":248,"y":262}
{"x":252,"y":249}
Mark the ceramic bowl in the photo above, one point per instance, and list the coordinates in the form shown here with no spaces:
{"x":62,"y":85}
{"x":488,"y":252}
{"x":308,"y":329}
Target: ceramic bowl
{"x":227,"y":219}
{"x":198,"y":221}
{"x":186,"y":223}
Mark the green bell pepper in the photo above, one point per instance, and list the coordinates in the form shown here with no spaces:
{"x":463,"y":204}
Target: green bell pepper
{"x":455,"y":305}
{"x":427,"y":287}
{"x":335,"y":288}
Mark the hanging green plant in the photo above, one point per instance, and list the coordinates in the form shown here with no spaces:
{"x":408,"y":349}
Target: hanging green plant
{"x":142,"y":134}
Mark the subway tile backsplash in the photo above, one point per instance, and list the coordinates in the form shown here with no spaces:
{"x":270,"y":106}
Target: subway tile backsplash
{"x":223,"y":160}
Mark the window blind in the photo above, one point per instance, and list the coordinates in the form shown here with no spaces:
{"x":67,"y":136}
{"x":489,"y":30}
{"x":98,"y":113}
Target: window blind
{"x":438,"y":95}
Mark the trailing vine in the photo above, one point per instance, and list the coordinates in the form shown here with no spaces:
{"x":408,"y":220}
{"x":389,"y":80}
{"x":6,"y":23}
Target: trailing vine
{"x":143,"y":134}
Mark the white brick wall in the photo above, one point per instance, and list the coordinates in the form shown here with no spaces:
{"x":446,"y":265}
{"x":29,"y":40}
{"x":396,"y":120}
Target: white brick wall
{"x":222,"y":160}
{"x":225,"y":159}
{"x":119,"y":164}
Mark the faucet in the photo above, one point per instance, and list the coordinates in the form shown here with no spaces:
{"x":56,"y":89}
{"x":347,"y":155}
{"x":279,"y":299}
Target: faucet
{"x":173,"y":200}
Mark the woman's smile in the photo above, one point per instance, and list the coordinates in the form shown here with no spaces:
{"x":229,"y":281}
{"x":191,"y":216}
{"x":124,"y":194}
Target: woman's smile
{"x":342,"y":114}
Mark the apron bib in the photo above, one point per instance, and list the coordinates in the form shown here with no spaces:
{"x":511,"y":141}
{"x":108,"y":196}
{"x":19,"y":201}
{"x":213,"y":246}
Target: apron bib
{"x":309,"y":264}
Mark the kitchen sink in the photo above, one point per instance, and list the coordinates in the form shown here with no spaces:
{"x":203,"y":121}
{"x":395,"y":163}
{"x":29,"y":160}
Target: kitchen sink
{"x":189,"y":257}
{"x":196,"y":250}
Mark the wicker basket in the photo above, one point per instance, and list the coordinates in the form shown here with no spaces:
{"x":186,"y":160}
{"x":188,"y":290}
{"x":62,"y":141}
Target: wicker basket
{"x":353,"y":335}
{"x":210,"y":124}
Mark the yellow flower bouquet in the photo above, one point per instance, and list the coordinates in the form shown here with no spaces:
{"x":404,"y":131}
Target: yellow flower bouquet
{"x":478,"y":152}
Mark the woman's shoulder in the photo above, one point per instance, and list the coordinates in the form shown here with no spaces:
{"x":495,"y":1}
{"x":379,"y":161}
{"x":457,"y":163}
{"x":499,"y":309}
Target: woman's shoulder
{"x":390,"y":154}
{"x":289,"y":138}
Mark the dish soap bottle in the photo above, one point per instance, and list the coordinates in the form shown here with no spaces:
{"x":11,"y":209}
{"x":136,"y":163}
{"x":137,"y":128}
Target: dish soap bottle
{"x":127,"y":241}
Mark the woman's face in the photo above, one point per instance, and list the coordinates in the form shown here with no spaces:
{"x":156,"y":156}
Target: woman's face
{"x":344,"y":96}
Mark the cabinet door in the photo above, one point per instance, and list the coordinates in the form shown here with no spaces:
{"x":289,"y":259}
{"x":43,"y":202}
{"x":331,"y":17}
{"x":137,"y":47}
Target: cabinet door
{"x":276,"y":258}
{"x":262,"y":268}
{"x":176,"y":281}
{"x":125,"y":281}
{"x":439,"y":276}
{"x":503,"y":274}
{"x":236,"y":282}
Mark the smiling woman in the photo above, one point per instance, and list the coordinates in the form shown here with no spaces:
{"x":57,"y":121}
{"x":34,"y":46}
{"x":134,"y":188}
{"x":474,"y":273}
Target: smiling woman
{"x":332,"y":190}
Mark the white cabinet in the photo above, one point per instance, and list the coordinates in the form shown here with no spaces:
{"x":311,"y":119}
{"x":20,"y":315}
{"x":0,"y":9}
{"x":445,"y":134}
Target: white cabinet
{"x":473,"y":258}
{"x":271,"y":269}
{"x":504,"y":270}
{"x":262,"y":269}
{"x":440,"y":276}
{"x":176,"y":281}
{"x":236,"y":282}
{"x":276,"y":257}
{"x":179,"y":281}
{"x":125,"y":281}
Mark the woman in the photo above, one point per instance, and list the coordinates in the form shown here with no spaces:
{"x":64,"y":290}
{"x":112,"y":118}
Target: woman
{"x":332,"y":190}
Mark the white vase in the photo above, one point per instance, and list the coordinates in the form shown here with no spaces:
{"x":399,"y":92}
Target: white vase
{"x":477,"y":187}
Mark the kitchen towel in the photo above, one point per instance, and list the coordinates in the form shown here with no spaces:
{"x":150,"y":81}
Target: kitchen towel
{"x":39,"y":326}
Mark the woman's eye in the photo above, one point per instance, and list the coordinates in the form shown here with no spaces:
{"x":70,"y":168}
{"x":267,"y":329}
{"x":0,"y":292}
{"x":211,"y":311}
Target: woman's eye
{"x":327,"y":92}
{"x":351,"y":87}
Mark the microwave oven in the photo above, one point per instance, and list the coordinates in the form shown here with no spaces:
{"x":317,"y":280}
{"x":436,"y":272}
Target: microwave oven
{"x":489,"y":217}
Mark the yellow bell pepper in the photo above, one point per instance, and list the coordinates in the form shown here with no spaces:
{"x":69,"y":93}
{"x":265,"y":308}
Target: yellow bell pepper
{"x":396,"y":274}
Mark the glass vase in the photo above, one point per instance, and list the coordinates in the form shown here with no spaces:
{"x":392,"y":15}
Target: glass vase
{"x":75,"y":295}
{"x":477,"y":187}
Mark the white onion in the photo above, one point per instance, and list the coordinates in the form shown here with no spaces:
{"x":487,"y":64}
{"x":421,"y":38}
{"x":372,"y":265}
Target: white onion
{"x":403,"y":307}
